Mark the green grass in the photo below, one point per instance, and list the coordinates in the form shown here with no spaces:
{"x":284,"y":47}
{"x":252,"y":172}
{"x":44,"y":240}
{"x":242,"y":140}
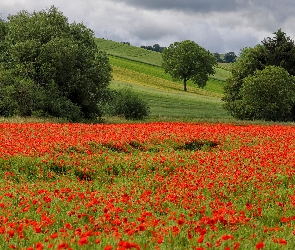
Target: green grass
{"x":129,"y":52}
{"x":178,"y":105}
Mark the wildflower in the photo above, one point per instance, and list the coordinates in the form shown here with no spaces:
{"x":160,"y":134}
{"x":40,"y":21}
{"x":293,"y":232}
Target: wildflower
{"x":54,"y":235}
{"x":259,"y":245}
{"x":82,"y":241}
{"x":201,"y":238}
{"x":282,"y":241}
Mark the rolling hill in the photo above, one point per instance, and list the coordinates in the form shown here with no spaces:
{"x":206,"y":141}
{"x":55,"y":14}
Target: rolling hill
{"x":141,"y":70}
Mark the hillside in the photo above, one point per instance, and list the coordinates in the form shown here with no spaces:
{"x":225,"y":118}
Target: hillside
{"x":141,"y":70}
{"x":129,"y":52}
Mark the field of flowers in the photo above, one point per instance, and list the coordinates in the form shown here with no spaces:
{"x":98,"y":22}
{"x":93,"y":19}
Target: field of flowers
{"x":147,"y":186}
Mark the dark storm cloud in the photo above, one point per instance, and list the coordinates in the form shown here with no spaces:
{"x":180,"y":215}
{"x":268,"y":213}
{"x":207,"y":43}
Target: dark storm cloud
{"x":202,"y":6}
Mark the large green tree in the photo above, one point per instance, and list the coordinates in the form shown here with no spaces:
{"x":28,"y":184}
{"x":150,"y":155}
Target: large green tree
{"x":276,"y":51}
{"x":60,"y":58}
{"x":187,"y":60}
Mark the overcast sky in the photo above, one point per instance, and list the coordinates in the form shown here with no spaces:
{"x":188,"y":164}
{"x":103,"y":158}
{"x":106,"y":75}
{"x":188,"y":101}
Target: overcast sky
{"x":217,"y":25}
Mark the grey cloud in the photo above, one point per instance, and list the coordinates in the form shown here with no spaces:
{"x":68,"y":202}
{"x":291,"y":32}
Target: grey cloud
{"x":218,"y":25}
{"x":202,"y":6}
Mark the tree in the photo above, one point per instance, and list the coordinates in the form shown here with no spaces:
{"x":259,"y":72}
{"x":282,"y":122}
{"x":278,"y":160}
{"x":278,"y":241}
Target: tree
{"x":217,"y":56}
{"x":187,"y":60}
{"x":269,"y":94}
{"x":276,"y":51}
{"x":280,"y":51}
{"x":230,"y":57}
{"x":55,"y":55}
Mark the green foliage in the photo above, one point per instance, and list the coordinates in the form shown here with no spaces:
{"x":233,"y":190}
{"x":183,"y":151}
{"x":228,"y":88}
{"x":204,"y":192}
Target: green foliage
{"x":187,"y":60}
{"x":269,"y":94}
{"x":218,"y":58}
{"x":280,"y":51}
{"x":45,"y":49}
{"x":277,"y":51}
{"x":18,"y":96}
{"x":230,"y":57}
{"x":56,"y":105}
{"x":128,"y":104}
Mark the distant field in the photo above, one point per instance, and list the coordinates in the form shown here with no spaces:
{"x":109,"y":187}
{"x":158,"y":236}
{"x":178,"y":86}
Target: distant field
{"x":129,"y":52}
{"x":141,"y":70}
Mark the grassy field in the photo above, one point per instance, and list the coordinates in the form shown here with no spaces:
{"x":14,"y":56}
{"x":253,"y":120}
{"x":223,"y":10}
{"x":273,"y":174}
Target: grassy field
{"x":141,"y":70}
{"x":129,"y":52}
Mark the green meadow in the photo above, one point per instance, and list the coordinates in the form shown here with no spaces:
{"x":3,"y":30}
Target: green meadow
{"x":140,"y":70}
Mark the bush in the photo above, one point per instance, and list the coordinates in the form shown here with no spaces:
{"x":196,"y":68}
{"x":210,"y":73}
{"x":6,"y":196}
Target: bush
{"x":128,"y":104}
{"x":269,"y":94}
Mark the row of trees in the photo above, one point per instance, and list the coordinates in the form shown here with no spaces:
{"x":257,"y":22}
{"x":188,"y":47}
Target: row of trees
{"x":155,"y":47}
{"x":229,"y":57}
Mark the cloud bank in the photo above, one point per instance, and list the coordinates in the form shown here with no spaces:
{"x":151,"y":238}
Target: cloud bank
{"x":217,"y":25}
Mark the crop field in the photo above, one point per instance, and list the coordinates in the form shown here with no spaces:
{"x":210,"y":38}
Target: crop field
{"x":158,"y":185}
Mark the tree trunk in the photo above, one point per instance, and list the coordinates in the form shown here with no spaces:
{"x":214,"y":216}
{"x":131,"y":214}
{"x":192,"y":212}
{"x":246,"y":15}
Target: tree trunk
{"x":184,"y":84}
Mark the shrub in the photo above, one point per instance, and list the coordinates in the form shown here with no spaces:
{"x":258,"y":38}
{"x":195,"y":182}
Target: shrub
{"x":128,"y":104}
{"x":269,"y":94}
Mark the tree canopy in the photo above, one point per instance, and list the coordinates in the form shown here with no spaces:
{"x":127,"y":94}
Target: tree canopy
{"x":57,"y":63}
{"x":230,"y":57}
{"x":187,"y":60}
{"x":277,"y":51}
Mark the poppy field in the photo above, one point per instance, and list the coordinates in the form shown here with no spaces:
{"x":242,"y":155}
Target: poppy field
{"x":147,"y":186}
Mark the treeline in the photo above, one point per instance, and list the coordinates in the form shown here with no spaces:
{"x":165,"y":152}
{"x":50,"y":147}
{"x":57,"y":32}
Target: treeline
{"x":155,"y":47}
{"x":229,"y":57}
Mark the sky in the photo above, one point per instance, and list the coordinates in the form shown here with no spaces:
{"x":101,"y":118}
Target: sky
{"x":217,"y":25}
